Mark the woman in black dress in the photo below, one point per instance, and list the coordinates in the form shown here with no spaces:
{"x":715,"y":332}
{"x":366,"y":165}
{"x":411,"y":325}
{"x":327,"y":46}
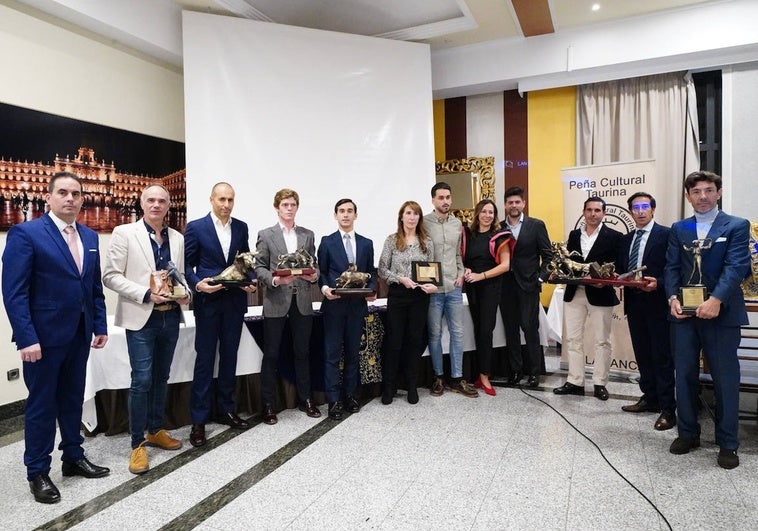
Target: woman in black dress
{"x":487,"y":255}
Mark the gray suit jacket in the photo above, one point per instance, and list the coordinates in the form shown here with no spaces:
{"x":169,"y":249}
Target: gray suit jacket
{"x":270,"y":245}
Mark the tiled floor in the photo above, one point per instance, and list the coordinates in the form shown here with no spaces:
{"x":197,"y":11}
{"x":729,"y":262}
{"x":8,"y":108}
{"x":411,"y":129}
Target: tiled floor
{"x":504,"y":462}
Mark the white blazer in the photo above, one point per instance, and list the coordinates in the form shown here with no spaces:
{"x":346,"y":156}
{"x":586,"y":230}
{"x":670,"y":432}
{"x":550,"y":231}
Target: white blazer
{"x":129,"y":263}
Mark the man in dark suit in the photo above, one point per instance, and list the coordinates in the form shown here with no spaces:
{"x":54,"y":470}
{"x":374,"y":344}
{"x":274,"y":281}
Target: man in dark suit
{"x":343,"y":317}
{"x":723,"y":262}
{"x":210,"y":245}
{"x":595,"y":243}
{"x":54,"y":300}
{"x":520,"y":297}
{"x":287,"y":297}
{"x":647,"y":311}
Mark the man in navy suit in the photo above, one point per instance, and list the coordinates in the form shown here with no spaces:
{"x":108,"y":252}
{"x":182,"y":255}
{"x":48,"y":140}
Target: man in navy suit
{"x":343,"y":318}
{"x":210,"y":245}
{"x":715,"y":325}
{"x":54,"y":300}
{"x":595,"y":242}
{"x":520,"y":296}
{"x":647,"y":311}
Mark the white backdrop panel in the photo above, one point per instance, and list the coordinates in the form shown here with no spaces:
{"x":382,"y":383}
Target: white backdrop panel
{"x":327,"y":114}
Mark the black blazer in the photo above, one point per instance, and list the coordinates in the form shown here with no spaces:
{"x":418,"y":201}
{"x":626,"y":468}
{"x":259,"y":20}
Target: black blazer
{"x":533,"y":243}
{"x":654,"y":258}
{"x":605,"y":249}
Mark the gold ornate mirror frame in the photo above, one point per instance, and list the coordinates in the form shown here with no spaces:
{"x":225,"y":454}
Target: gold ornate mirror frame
{"x":481,"y":169}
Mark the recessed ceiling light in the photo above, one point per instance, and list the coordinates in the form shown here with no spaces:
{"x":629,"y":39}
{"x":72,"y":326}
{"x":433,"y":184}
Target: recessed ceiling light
{"x":595,"y":7}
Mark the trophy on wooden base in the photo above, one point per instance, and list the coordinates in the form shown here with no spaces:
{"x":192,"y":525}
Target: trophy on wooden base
{"x":693,"y":295}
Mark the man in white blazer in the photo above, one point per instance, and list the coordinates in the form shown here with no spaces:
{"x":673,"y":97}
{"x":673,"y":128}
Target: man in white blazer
{"x":137,"y":250}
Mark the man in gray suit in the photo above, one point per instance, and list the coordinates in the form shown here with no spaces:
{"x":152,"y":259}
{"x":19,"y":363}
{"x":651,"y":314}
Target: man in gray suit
{"x":286,"y":296}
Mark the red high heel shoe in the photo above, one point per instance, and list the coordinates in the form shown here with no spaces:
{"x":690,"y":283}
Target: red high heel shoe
{"x":488,"y":390}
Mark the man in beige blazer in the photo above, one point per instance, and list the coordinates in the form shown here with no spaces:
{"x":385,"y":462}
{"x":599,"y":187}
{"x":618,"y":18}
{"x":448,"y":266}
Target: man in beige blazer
{"x":285,"y":297}
{"x":136,"y":250}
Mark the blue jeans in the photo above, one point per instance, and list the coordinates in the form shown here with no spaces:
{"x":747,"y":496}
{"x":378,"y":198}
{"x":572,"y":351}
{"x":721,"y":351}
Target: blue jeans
{"x":450,"y":306}
{"x":151,"y":350}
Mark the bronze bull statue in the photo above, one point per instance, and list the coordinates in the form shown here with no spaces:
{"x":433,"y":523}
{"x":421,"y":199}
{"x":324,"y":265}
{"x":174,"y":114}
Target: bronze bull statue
{"x":352,"y":278}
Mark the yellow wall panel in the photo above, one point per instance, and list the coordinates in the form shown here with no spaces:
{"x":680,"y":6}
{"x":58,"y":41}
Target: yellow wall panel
{"x":438,"y":111}
{"x":551,"y":118}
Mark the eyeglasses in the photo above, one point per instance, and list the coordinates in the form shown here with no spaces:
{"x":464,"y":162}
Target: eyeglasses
{"x":641,"y":207}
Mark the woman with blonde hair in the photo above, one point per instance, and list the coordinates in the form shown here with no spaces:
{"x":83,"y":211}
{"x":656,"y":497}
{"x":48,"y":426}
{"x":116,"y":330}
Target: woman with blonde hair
{"x":407,"y":300}
{"x":486,"y":256}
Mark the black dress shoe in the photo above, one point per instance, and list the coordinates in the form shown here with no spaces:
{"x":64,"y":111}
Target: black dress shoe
{"x":569,"y":389}
{"x":515,"y":379}
{"x":388,"y":393}
{"x":412,"y":395}
{"x":197,"y":435}
{"x":44,"y":490}
{"x":310,"y":408}
{"x":335,"y":410}
{"x":728,"y":459}
{"x":268,"y":415}
{"x":666,"y":421}
{"x":84,"y":468}
{"x":352,"y":405}
{"x":641,"y":406}
{"x":683,"y":445}
{"x":601,"y":393}
{"x":533,"y":382}
{"x":231,"y":419}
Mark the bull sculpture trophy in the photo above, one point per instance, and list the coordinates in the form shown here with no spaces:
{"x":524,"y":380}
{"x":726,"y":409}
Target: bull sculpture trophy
{"x":237,"y":274}
{"x":298,"y":263}
{"x":564,"y":269}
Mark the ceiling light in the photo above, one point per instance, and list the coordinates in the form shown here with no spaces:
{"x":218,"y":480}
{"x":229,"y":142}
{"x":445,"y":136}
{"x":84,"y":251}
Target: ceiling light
{"x":595,"y":7}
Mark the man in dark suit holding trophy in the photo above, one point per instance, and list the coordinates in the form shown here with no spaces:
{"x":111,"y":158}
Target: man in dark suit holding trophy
{"x":343,"y":317}
{"x":707,"y":259}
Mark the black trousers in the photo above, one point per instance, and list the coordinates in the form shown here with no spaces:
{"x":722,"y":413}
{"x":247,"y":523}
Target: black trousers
{"x":273,"y":331}
{"x":483,"y":298}
{"x":520,"y":310}
{"x":406,"y":339}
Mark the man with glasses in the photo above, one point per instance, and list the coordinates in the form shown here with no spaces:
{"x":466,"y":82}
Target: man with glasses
{"x":714,"y":327}
{"x":647,"y":311}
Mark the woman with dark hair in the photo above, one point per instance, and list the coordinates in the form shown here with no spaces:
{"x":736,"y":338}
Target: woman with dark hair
{"x":407,"y":300}
{"x":486,"y":256}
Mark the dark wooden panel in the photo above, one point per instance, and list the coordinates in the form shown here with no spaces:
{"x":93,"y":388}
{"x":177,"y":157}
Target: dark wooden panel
{"x":455,"y":128}
{"x":516,"y":141}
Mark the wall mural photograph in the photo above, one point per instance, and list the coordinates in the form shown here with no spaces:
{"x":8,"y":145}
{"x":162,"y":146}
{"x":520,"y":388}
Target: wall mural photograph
{"x":115,"y":166}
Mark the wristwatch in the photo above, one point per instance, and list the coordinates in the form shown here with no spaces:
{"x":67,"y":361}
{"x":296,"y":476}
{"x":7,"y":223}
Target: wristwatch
{"x":672,"y":299}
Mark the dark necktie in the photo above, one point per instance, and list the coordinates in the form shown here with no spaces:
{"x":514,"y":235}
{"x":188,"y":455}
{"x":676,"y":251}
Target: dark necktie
{"x":634,"y":255}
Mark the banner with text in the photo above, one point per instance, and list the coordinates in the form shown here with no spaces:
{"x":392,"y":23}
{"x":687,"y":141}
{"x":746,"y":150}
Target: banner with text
{"x":614,"y":183}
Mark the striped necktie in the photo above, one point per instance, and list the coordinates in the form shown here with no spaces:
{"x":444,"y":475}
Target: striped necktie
{"x":635,"y":254}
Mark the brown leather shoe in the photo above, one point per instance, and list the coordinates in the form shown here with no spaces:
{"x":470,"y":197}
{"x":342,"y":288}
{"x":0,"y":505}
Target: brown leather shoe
{"x":438,"y":387}
{"x":269,"y":417}
{"x":162,"y":439}
{"x":310,"y":408}
{"x":197,"y":435}
{"x":666,"y":421}
{"x":641,"y":406}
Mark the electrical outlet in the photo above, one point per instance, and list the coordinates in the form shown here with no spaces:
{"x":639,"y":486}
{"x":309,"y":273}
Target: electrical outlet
{"x":12,"y":374}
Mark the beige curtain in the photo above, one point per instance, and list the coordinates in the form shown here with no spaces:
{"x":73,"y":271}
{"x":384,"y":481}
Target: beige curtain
{"x":652,"y":117}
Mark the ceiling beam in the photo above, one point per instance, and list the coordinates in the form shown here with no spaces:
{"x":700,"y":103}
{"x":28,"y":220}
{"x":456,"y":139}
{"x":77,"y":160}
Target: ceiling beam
{"x":533,"y":17}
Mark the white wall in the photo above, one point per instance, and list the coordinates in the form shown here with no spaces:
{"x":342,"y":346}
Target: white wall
{"x":54,"y":70}
{"x":741,"y":124}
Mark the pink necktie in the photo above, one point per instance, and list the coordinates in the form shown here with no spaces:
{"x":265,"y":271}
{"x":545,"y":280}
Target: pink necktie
{"x":73,"y":246}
